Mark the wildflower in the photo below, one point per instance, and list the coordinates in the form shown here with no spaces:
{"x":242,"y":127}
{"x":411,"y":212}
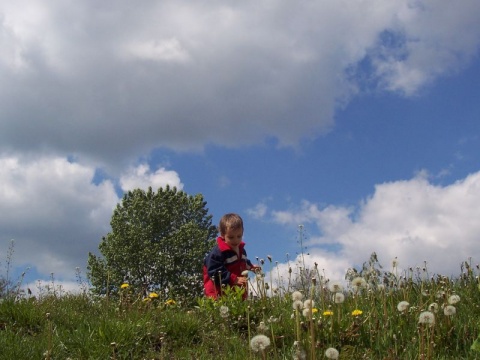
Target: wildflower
{"x":306,"y":311}
{"x":147,"y":300}
{"x":153,"y":295}
{"x":453,"y":299}
{"x":427,"y":318}
{"x":331,"y":353}
{"x":262,"y":328}
{"x":224,"y":310}
{"x":403,"y":306}
{"x":449,"y":310}
{"x":335,"y":286}
{"x":297,"y":295}
{"x":357,"y":312}
{"x":259,"y":343}
{"x":269,"y":257}
{"x":433,"y":307}
{"x":359,"y":282}
{"x":395,"y":262}
{"x":327,"y":313}
{"x":338,"y":298}
{"x":308,"y":304}
{"x":170,"y":302}
{"x":124,"y":286}
{"x":297,"y":305}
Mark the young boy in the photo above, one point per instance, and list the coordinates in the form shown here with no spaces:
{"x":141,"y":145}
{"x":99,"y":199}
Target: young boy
{"x":228,"y":259}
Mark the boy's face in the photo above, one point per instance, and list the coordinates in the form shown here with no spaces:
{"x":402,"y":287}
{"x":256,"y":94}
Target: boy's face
{"x":233,"y":237}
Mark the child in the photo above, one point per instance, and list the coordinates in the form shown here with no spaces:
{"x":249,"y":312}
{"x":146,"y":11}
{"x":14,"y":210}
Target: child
{"x":228,"y":259}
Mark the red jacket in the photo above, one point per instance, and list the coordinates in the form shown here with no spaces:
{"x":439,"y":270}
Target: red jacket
{"x":222,"y":266}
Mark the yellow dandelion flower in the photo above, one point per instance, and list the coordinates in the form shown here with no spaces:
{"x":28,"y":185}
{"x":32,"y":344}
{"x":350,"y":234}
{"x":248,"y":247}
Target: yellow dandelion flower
{"x":314,"y":310}
{"x":124,"y":286}
{"x":357,"y":312}
{"x":328,"y":313}
{"x":147,"y":300}
{"x":170,"y":302}
{"x":153,"y":295}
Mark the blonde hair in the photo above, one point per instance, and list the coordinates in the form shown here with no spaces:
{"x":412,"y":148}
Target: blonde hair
{"x":230,"y":221}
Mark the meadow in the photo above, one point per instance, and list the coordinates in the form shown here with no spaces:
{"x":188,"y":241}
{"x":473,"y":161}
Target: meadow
{"x":371,"y":314}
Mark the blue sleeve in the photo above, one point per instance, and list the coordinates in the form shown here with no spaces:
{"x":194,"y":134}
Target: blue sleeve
{"x":215,"y":264}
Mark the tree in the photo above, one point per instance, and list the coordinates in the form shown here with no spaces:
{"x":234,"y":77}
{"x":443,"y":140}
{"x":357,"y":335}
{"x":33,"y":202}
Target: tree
{"x":157,"y":243}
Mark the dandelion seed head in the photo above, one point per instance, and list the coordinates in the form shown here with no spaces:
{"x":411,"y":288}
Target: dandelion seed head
{"x":297,"y":295}
{"x":359,"y":282}
{"x":449,"y":310}
{"x":403,"y":306}
{"x":259,"y":343}
{"x":306,"y":312}
{"x":453,"y":299}
{"x":433,"y":307}
{"x":338,"y":298}
{"x":331,"y":353}
{"x":297,"y":305}
{"x":309,"y":304}
{"x":426,"y":317}
{"x":335,"y":286}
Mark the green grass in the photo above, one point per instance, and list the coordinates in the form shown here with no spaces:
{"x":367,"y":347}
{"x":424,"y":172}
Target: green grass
{"x":127,"y":327}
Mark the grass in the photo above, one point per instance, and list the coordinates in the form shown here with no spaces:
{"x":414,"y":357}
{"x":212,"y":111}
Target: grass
{"x":379,"y":318}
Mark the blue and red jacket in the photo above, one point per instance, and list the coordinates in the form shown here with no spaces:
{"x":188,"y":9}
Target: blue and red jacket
{"x":222,"y":266}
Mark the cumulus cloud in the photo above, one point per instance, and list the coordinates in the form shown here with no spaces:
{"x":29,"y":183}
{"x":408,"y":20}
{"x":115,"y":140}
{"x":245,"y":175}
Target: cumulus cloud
{"x":413,"y":220}
{"x":182,"y":75}
{"x":142,"y":177}
{"x":53,"y":211}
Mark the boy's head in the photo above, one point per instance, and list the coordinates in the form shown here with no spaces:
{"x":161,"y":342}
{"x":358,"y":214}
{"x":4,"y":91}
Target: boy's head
{"x":230,"y":222}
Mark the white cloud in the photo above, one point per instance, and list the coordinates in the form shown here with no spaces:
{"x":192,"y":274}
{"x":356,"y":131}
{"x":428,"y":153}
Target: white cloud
{"x":259,"y":211}
{"x":53,"y":212}
{"x":169,"y":50}
{"x":182,"y":75}
{"x":412,"y":220}
{"x":142,"y":177}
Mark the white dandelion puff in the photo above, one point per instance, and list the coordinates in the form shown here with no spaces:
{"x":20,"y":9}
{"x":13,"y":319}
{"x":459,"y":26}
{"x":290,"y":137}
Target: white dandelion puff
{"x":309,"y":304}
{"x":433,"y":307}
{"x":453,"y":299}
{"x":259,"y":343}
{"x":335,"y":286}
{"x":403,"y":306}
{"x":297,"y":305}
{"x":426,"y":317}
{"x":338,"y":298}
{"x":297,"y":295}
{"x":449,"y":310}
{"x":331,"y":353}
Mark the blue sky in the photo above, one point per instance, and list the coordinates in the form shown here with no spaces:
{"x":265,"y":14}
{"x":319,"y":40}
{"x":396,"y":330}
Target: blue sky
{"x":358,"y":120}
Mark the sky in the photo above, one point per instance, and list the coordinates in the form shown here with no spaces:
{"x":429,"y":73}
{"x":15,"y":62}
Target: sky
{"x":335,"y":128}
